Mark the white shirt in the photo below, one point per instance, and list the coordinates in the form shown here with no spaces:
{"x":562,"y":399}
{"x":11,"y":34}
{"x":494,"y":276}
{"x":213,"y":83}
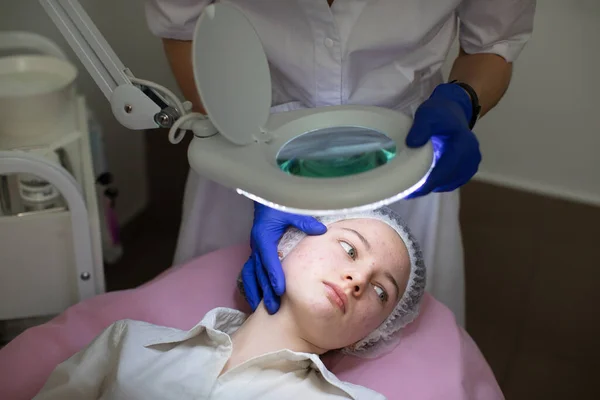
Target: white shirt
{"x":386,"y":53}
{"x":137,"y":360}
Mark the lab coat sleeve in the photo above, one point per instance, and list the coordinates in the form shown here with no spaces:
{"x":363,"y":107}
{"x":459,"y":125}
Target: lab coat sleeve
{"x":174,"y":19}
{"x":81,"y":376}
{"x":500,"y":27}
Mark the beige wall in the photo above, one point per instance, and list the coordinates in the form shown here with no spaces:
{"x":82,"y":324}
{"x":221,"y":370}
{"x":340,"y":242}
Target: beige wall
{"x":545,"y":135}
{"x":123,"y":25}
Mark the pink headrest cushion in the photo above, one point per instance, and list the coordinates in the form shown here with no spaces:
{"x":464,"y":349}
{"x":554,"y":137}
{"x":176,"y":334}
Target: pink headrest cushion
{"x":436,"y":359}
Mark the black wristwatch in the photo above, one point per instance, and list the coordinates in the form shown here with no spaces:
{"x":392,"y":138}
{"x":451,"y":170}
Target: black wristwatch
{"x":474,"y":101}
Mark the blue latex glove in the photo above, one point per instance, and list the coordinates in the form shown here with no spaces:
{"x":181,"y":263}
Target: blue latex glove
{"x":444,"y":118}
{"x":262,"y":274}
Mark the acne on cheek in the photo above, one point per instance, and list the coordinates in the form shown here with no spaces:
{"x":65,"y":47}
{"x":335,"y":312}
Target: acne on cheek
{"x":366,"y":314}
{"x":304,"y":255}
{"x":371,"y":316}
{"x":366,"y":324}
{"x":304,"y":262}
{"x":363,"y":319}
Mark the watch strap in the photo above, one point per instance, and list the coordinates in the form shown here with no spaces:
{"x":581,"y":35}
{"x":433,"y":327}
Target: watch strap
{"x":476,"y":107}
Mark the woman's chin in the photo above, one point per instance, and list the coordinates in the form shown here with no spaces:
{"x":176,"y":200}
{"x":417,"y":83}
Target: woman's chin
{"x":326,"y":311}
{"x":315,"y":308}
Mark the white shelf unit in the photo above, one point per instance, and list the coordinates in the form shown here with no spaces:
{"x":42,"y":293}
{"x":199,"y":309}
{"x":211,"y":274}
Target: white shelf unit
{"x":50,"y":261}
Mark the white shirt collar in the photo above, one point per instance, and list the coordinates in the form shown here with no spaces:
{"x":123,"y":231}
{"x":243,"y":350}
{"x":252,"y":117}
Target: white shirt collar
{"x":224,"y":321}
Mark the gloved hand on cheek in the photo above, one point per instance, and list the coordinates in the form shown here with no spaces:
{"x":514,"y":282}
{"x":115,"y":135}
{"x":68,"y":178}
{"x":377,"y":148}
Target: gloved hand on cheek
{"x":262,"y":275}
{"x":444,"y":119}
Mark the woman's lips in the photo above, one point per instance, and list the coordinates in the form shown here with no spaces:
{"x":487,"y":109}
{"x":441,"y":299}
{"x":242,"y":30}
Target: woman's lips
{"x":336,"y":295}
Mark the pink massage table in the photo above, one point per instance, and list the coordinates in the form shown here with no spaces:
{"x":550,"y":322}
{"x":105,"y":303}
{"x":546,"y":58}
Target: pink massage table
{"x":435,"y":360}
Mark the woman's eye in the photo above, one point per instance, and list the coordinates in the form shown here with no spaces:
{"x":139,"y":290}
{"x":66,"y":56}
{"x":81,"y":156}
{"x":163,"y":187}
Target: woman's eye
{"x":349,"y":249}
{"x":381,"y":294}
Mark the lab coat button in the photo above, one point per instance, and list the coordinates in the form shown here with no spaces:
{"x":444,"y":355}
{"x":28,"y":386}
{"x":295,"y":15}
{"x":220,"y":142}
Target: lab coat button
{"x":328,"y":42}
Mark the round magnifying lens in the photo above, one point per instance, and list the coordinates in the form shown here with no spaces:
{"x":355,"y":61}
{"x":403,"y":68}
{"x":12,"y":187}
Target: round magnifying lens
{"x":336,"y":152}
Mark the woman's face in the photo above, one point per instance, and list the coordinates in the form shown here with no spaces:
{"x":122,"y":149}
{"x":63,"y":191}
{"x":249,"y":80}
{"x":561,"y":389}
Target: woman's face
{"x":342,"y":285}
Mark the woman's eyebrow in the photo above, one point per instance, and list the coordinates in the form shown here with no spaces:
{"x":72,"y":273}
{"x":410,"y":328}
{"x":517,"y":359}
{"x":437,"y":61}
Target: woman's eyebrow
{"x":361,"y":237}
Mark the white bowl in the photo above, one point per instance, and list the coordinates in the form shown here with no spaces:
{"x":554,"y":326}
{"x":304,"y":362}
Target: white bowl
{"x":37,"y":99}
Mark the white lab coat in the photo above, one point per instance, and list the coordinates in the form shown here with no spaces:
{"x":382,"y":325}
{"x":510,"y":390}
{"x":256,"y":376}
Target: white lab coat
{"x":385,"y":53}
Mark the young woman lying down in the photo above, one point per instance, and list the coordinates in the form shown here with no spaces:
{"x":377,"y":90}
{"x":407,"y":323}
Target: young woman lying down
{"x":351,"y":289}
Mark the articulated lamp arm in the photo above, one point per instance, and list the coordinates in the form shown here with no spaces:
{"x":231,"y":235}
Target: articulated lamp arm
{"x":137,"y":104}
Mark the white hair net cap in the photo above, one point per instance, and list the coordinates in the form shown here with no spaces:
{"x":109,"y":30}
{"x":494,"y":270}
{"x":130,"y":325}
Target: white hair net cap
{"x":387,"y":335}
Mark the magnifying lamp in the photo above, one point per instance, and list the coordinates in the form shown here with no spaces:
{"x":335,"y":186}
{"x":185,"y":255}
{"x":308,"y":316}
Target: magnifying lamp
{"x":315,"y":161}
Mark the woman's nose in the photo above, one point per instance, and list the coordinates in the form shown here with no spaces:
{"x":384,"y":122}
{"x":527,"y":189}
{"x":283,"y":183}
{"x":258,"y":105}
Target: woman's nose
{"x":356,"y":281}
